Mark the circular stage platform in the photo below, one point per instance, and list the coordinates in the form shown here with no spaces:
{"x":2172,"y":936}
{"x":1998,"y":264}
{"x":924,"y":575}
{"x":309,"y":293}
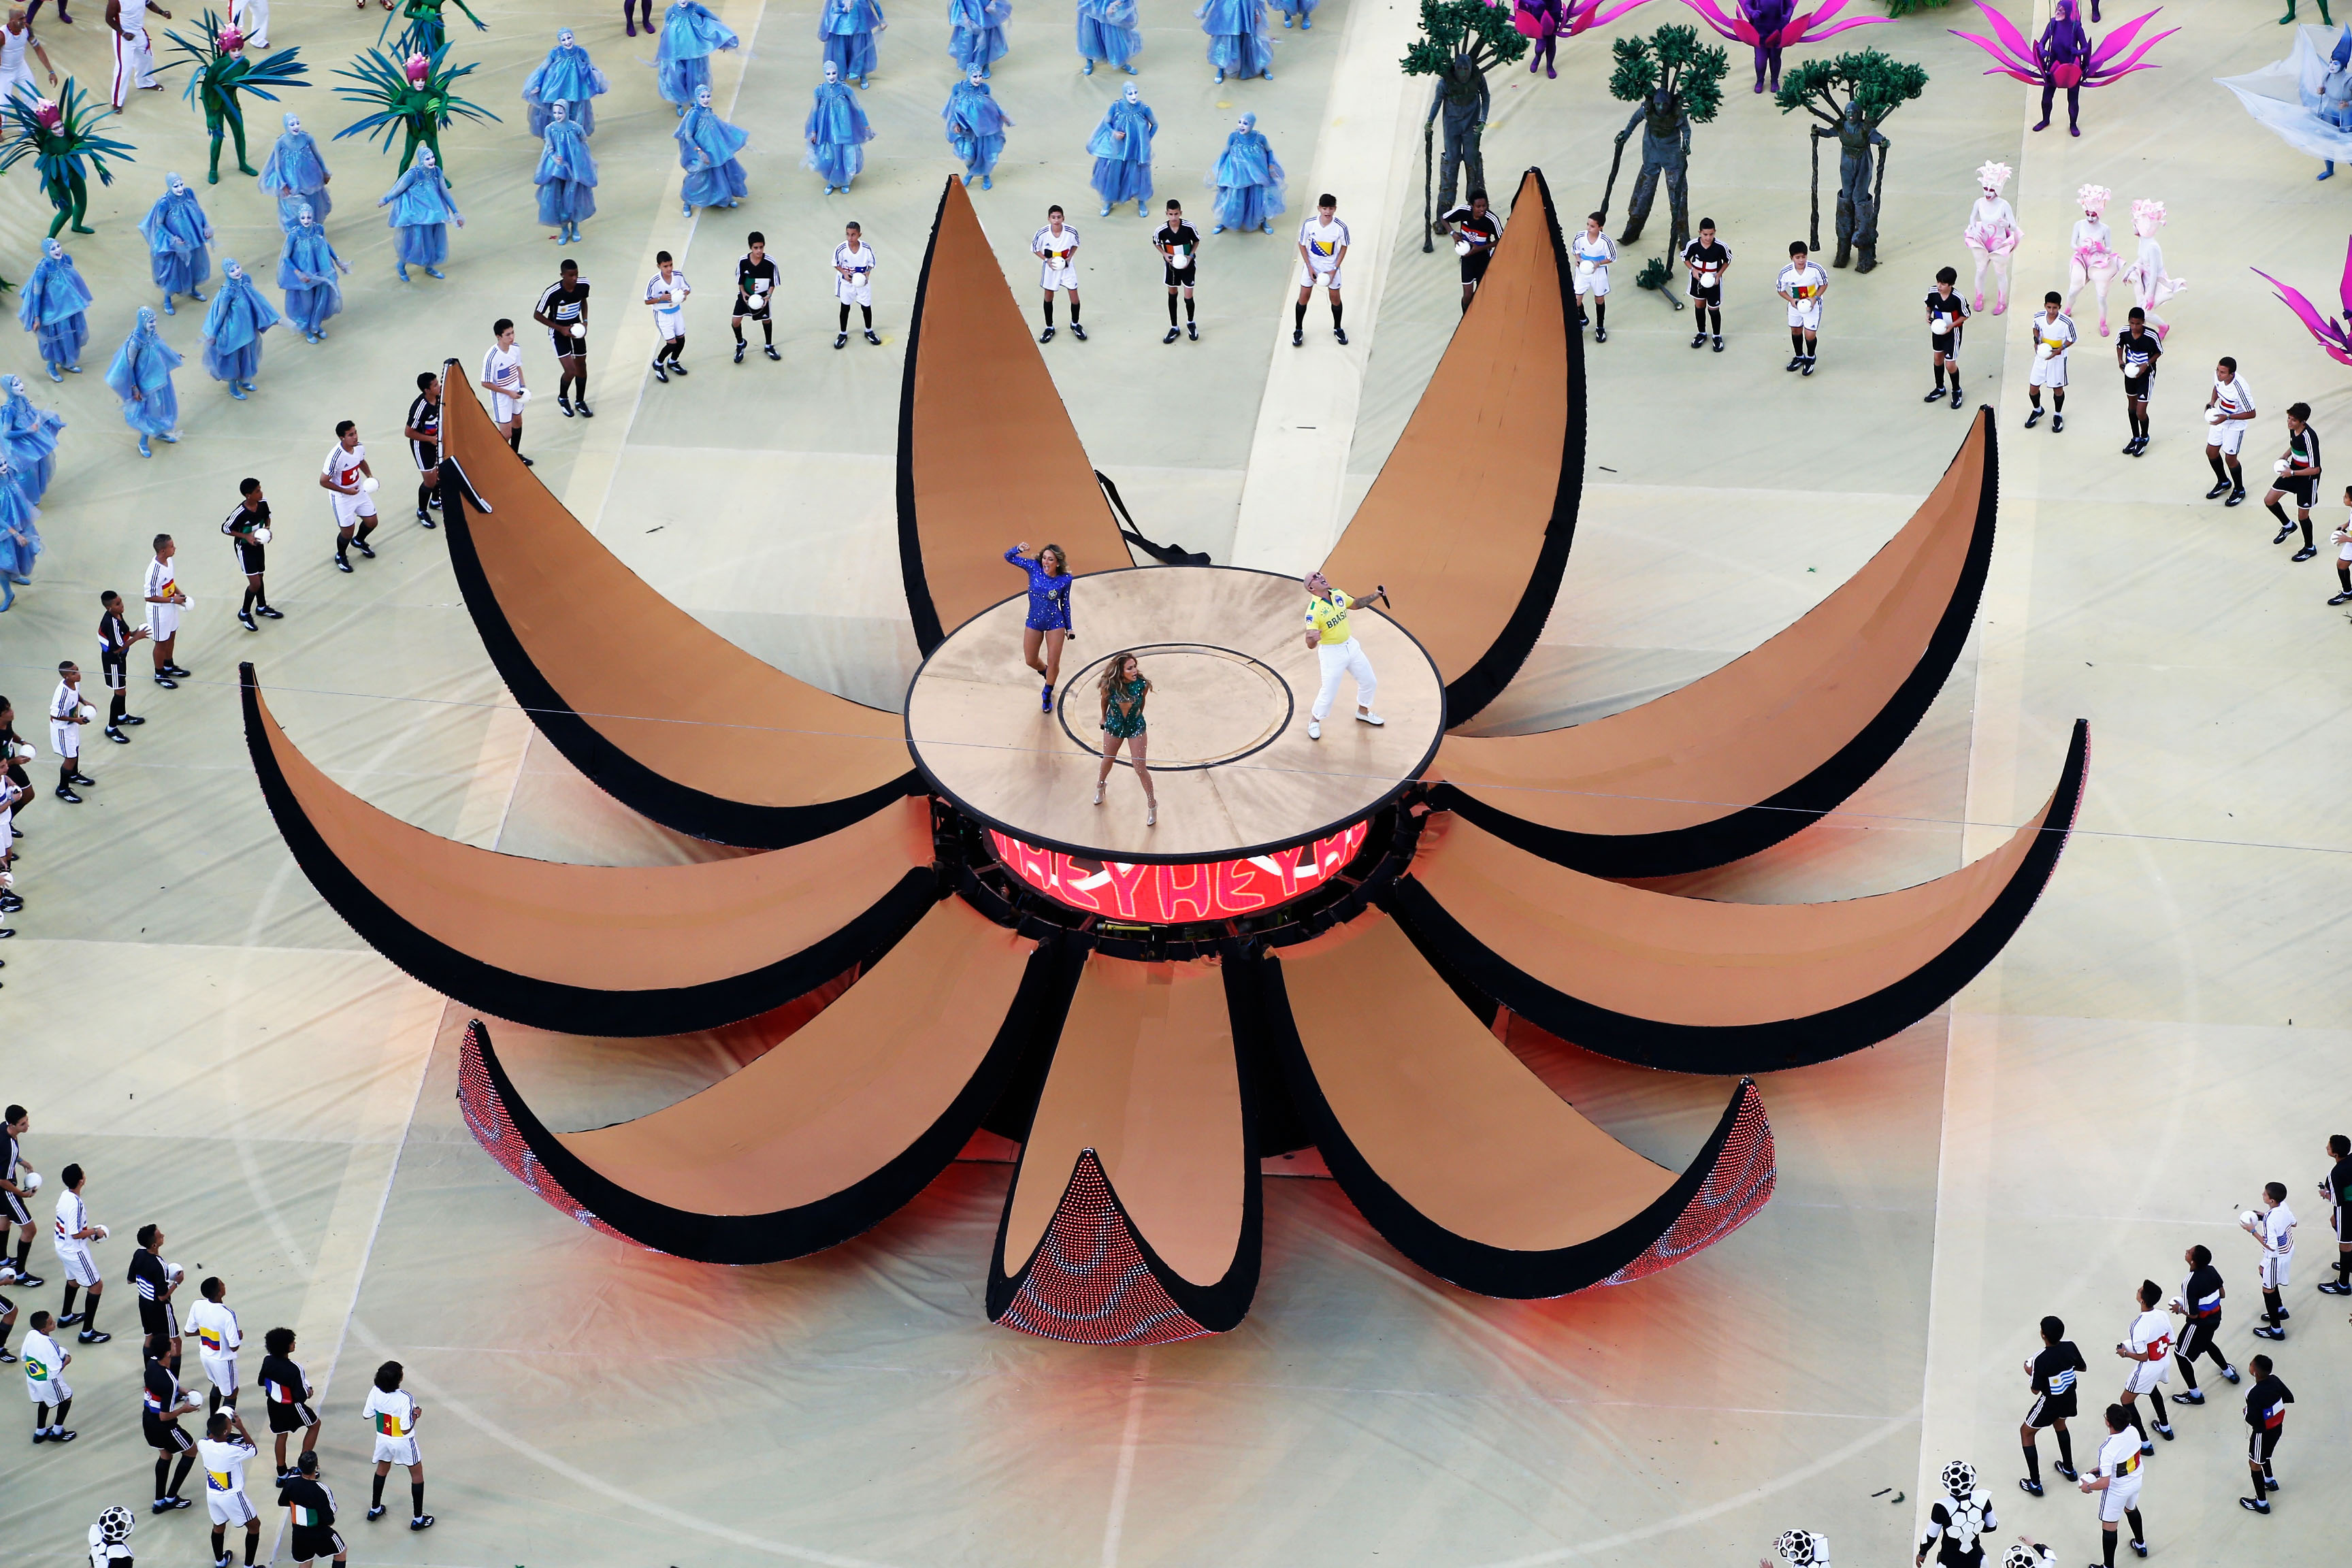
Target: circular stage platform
{"x":1231,"y":679}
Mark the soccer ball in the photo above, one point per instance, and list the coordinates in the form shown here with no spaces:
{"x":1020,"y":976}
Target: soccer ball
{"x":370,"y":484}
{"x":1795,"y":1547}
{"x":114,"y":1525}
{"x":579,"y":329}
{"x":2021,"y":1555}
{"x":2281,"y":466}
{"x":1461,"y":247}
{"x":261,"y":535}
{"x":30,"y":1182}
{"x":2248,"y":1219}
{"x":2213,"y":416}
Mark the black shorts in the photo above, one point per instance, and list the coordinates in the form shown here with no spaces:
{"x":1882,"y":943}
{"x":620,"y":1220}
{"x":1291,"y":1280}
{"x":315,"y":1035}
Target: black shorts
{"x":2303,"y":487}
{"x":425,"y":454}
{"x":167,"y":1436}
{"x":2343,"y":1223}
{"x":312,"y":1541}
{"x":156,"y":1318}
{"x":2050,"y":1408}
{"x":2137,"y":387}
{"x":2262,"y":1443}
{"x":2198,"y":1340}
{"x":1473,"y":266}
{"x":1945,"y":343}
{"x":1176,"y":279}
{"x":566,"y":346}
{"x":114,"y":672}
{"x":7,"y":1306}
{"x":757,"y":310}
{"x":12,"y":1210}
{"x":294,"y":1417}
{"x":1710,"y":294}
{"x":251,"y":555}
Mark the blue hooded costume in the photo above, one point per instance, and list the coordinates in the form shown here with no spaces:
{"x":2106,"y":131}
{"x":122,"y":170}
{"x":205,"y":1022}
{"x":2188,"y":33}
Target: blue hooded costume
{"x":837,"y":132}
{"x":421,"y":213}
{"x":54,"y":301}
{"x":142,"y":376}
{"x":567,"y":77}
{"x":1239,"y":44}
{"x":177,"y":234}
{"x":691,"y":33}
{"x":294,"y":173}
{"x":307,"y":271}
{"x":566,"y":177}
{"x":707,"y":146}
{"x":1123,"y":162}
{"x":975,"y":129}
{"x":1108,"y":31}
{"x":847,"y":29}
{"x":232,"y":328}
{"x":20,"y":538}
{"x":28,"y":439}
{"x":976,"y":33}
{"x":1248,"y":181}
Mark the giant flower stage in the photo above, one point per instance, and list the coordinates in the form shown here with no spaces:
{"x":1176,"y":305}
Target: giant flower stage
{"x":1314,"y":945}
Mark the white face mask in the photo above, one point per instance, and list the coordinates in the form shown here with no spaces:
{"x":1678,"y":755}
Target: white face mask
{"x":307,"y":217}
{"x":556,"y":112}
{"x":52,"y":250}
{"x":293,"y":122}
{"x":832,"y":74}
{"x":176,"y":185}
{"x":563,"y":40}
{"x":1132,"y":95}
{"x":424,"y":156}
{"x":232,"y":269}
{"x":702,"y":98}
{"x":977,"y":79}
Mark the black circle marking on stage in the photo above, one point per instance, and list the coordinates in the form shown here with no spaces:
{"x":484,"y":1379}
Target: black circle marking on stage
{"x":1078,"y":682}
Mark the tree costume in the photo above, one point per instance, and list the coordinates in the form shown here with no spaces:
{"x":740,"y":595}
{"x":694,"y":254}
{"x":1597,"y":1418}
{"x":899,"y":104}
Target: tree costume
{"x":422,"y":31}
{"x":295,"y":175}
{"x":54,"y":308}
{"x":1239,"y":44}
{"x":412,"y":100}
{"x":28,"y":439}
{"x":1108,"y":32}
{"x":307,"y":271}
{"x":233,"y":330}
{"x":1248,"y":181}
{"x":1875,"y":87}
{"x":1122,"y":149}
{"x":976,"y":128}
{"x":2065,"y":56}
{"x":178,"y":237}
{"x":140,"y":376}
{"x":1677,"y":81}
{"x":61,"y":136}
{"x":221,"y":72}
{"x":690,"y":33}
{"x":567,"y":77}
{"x":1771,"y":26}
{"x":1460,"y":41}
{"x":422,"y":212}
{"x":847,"y":29}
{"x":837,"y":132}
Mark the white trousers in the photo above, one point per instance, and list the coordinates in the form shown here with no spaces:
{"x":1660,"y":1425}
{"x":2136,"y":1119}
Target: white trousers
{"x":134,"y":65}
{"x":1338,"y":659}
{"x":253,"y":19}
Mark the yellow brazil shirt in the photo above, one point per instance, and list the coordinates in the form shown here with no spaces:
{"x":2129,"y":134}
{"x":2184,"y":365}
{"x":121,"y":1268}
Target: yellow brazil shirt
{"x":1330,"y":617}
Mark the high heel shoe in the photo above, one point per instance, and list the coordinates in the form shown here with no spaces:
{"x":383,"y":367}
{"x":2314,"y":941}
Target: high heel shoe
{"x":1151,"y":813}
{"x":1099,"y":794}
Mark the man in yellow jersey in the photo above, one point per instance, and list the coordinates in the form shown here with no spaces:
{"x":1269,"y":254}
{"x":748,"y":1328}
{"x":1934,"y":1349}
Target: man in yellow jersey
{"x":1339,"y":654}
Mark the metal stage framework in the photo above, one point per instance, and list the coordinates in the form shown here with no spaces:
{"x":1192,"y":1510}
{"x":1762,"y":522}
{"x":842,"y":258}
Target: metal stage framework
{"x":1316,"y":946}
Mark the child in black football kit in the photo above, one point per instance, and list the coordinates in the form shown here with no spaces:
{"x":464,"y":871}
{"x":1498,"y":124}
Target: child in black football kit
{"x":2053,"y":1370}
{"x":115,"y":635}
{"x":164,"y":1403}
{"x":1947,"y":319}
{"x":2267,"y":1404}
{"x":2199,"y":1305}
{"x":1706,"y":260}
{"x":755,"y":292}
{"x":2336,"y":1186}
{"x":2137,"y":352}
{"x":243,"y":525}
{"x":1179,"y":245}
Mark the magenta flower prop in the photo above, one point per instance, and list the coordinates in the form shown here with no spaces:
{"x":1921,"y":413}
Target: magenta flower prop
{"x":2108,"y":61}
{"x":1766,"y":23}
{"x":2334,"y":338}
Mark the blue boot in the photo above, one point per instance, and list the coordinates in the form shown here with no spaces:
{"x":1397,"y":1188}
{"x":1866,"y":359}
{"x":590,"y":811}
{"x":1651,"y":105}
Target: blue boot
{"x":435,"y":272}
{"x":237,"y":391}
{"x":169,"y":310}
{"x":1089,"y":70}
{"x":401,"y":268}
{"x":145,"y":450}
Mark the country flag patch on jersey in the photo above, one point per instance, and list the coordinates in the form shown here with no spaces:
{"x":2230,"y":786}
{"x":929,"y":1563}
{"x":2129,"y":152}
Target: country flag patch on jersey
{"x":218,"y":1482}
{"x":387,"y":1423}
{"x":278,"y":1393}
{"x":1804,"y":290}
{"x":2275,"y":1415}
{"x":2127,"y":1467}
{"x":1323,"y":246}
{"x":305,"y":1518}
{"x":210,"y":1340}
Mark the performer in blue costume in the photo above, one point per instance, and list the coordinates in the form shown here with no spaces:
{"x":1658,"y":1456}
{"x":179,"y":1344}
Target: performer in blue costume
{"x":54,"y":301}
{"x":422,"y":211}
{"x":1106,"y":31}
{"x":707,"y":146}
{"x":1239,"y":44}
{"x":1299,"y":14}
{"x":837,"y":132}
{"x":566,"y":177}
{"x":178,"y":236}
{"x":140,"y":376}
{"x":28,"y":439}
{"x":1248,"y":181}
{"x":295,"y":174}
{"x":690,"y":33}
{"x":976,"y":128}
{"x":847,"y":29}
{"x":20,"y":539}
{"x":1122,"y":150}
{"x":233,"y":330}
{"x":976,"y":33}
{"x":567,"y":77}
{"x":306,"y":271}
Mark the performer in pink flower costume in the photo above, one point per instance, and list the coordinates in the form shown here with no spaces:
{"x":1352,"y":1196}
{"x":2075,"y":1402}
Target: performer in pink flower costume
{"x":2092,"y":258}
{"x":1991,"y":234}
{"x":2147,"y":275}
{"x":1770,"y":26}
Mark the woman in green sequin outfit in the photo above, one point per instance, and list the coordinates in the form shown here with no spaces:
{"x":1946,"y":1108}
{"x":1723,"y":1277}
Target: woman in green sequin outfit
{"x":1123,"y":691}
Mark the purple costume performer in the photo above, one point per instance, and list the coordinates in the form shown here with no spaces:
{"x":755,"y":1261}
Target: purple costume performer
{"x":1770,"y":26}
{"x":2067,"y":57}
{"x":1549,"y":21}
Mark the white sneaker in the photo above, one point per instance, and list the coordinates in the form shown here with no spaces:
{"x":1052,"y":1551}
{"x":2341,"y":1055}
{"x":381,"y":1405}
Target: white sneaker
{"x":1098,"y":794}
{"x":1315,"y":729}
{"x":1374,"y":719}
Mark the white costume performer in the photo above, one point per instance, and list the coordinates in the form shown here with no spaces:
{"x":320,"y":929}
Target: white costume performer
{"x":135,"y":57}
{"x":1993,"y":234}
{"x":252,"y":19}
{"x":16,"y":76}
{"x":2093,"y":257}
{"x":2147,"y":276}
{"x":1339,"y":654}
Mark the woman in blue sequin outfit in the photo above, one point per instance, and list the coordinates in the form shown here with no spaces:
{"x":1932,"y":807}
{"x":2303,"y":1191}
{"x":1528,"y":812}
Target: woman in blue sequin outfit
{"x":1049,"y":611}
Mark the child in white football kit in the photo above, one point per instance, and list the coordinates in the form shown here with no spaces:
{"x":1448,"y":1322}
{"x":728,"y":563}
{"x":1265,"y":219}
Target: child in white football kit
{"x":218,"y":1338}
{"x":502,"y":378}
{"x":2273,"y":1227}
{"x":2054,"y":334}
{"x":164,"y":603}
{"x":2147,"y":1347}
{"x":853,"y":283}
{"x":391,"y":1415}
{"x":1590,"y":254}
{"x":68,"y":714}
{"x":2229,"y":410}
{"x":2115,"y":1476}
{"x":2342,"y":538}
{"x":666,"y":295}
{"x":45,"y":1381}
{"x":1056,"y":246}
{"x":1801,"y":284}
{"x":72,"y":1234}
{"x":224,"y":1451}
{"x":349,"y":485}
{"x":1322,"y":250}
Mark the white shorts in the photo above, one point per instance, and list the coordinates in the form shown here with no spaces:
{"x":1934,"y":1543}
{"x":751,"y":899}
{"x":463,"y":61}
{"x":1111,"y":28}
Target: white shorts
{"x":2344,"y":551}
{"x":57,"y":1391}
{"x":503,"y":408}
{"x":2275,"y":1269}
{"x":1593,"y":282}
{"x":670,"y":324}
{"x":74,"y":1259}
{"x":228,"y":1508}
{"x":857,"y":290}
{"x":2121,"y":1496}
{"x":2145,"y":1375}
{"x":65,"y":740}
{"x":350,"y":511}
{"x":2230,"y":435}
{"x":220,"y":1371}
{"x":396,"y":1450}
{"x":2050,"y":372}
{"x":1805,"y":313}
{"x":1327,"y":276}
{"x":163,"y":620}
{"x":1051,"y":277}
